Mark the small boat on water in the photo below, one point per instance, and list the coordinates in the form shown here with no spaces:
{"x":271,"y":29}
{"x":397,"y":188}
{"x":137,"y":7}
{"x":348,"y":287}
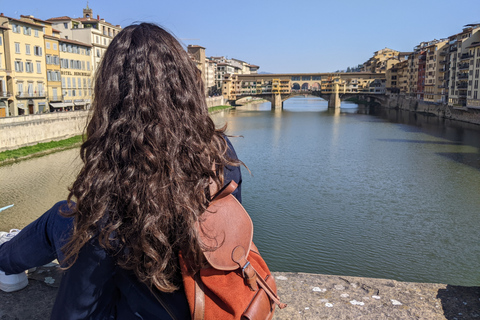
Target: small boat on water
{"x":4,"y":208}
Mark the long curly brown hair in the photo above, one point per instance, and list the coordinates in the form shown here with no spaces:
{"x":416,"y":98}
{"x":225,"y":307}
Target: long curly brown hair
{"x":148,"y":155}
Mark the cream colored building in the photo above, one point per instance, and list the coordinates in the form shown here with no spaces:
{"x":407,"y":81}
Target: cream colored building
{"x":89,"y":30}
{"x":4,"y":93}
{"x":381,"y":61}
{"x":463,"y":66}
{"x":25,"y":65}
{"x":435,"y":90}
{"x":77,"y":74}
{"x":473,"y":98}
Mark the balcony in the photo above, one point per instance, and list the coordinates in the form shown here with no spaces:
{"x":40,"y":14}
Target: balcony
{"x":463,"y":66}
{"x":5,"y":94}
{"x":445,"y":61}
{"x":462,"y":76}
{"x":30,"y":95}
{"x":53,"y":98}
{"x":466,"y":56}
{"x":452,"y":49}
{"x":443,"y":53}
{"x":463,"y":85}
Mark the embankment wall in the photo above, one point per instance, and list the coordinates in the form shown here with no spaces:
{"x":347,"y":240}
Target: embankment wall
{"x":470,"y":115}
{"x":17,"y":132}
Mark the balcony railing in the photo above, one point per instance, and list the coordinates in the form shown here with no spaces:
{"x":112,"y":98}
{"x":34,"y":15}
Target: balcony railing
{"x":462,"y":76}
{"x":58,"y":97}
{"x":463,"y":66}
{"x":462,"y":86}
{"x":5,"y":94}
{"x":445,"y":61}
{"x":466,"y":56}
{"x":443,"y":53}
{"x":26,"y":95}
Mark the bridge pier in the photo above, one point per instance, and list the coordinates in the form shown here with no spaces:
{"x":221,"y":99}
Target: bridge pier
{"x":334,"y":101}
{"x":277,"y":102}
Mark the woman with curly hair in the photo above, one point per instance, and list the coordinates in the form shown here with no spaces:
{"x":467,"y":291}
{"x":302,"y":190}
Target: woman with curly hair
{"x":150,"y":152}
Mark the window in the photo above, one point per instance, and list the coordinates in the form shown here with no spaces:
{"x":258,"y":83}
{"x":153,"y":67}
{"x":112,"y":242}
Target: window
{"x":29,"y":66}
{"x":97,"y":39}
{"x":88,"y":65}
{"x":83,"y":65}
{"x":47,"y":44}
{"x":37,"y":51}
{"x":87,"y":52}
{"x":75,"y":49}
{"x":17,"y":47}
{"x":0,"y":41}
{"x":65,"y":25}
{"x":64,"y":46}
{"x":104,"y":41}
{"x":36,"y":33}
{"x":69,"y":48}
{"x":63,"y":82}
{"x":48,"y":59}
{"x":69,"y":83}
{"x":79,"y":81}
{"x":39,"y":67}
{"x":85,"y":84}
{"x":18,"y":66}
{"x":54,"y":46}
{"x":20,"y":88}
{"x":98,"y":52}
{"x":15,"y":28}
{"x":49,"y":75}
{"x":27,"y":31}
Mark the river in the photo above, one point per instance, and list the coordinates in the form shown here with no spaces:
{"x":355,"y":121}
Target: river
{"x":357,"y":191}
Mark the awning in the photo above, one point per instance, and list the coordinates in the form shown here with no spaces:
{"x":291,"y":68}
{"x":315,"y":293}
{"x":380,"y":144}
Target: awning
{"x":21,"y":106}
{"x":79,"y":103}
{"x":61,"y":104}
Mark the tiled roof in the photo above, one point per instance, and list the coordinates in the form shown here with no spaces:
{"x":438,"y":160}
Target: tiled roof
{"x":59,"y":18}
{"x":35,"y":19}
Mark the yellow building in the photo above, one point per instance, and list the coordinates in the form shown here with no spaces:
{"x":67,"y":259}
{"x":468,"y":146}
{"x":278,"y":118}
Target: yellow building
{"x":435,"y":88}
{"x":4,"y":94}
{"x":25,"y":65}
{"x":77,"y":74}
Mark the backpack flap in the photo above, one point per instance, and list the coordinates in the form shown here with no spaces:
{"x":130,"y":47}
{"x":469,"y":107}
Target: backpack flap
{"x":223,"y":227}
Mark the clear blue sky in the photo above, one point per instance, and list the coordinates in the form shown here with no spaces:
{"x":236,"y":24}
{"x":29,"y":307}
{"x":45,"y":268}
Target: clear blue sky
{"x":280,"y":36}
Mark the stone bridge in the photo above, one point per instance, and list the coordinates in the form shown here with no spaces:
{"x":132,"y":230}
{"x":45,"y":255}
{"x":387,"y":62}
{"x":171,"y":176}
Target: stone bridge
{"x":276,"y":88}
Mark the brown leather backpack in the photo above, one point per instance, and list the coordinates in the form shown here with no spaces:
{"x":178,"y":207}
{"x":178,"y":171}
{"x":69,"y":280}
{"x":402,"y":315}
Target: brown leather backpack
{"x":237,"y":283}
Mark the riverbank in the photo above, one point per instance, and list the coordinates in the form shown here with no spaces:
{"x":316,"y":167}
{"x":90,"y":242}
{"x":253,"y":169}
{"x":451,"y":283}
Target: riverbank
{"x":407,"y":103}
{"x":38,"y":150}
{"x":309,"y":296}
{"x":44,"y":148}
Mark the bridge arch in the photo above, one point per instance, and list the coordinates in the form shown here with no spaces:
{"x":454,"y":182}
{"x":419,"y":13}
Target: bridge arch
{"x":305,"y":86}
{"x":316,"y":86}
{"x":295,"y":86}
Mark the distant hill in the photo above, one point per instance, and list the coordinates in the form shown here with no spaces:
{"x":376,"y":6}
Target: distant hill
{"x":264,"y":72}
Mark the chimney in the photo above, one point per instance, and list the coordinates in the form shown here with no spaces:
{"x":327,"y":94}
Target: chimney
{"x":1,"y":14}
{"x":98,"y":17}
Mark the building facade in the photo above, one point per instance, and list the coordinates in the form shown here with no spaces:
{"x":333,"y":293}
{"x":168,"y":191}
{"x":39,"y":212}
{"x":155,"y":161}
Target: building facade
{"x":25,"y":66}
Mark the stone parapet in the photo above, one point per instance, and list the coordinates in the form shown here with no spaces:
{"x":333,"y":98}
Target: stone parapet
{"x":16,"y":132}
{"x":309,"y":296}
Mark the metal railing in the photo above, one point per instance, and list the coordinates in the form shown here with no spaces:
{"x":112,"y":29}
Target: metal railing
{"x":26,"y":94}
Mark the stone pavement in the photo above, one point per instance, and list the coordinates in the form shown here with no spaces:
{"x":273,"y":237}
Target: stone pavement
{"x":309,"y":296}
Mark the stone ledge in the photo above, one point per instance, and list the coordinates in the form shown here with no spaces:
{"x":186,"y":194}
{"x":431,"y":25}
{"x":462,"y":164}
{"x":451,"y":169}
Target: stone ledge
{"x":309,"y":296}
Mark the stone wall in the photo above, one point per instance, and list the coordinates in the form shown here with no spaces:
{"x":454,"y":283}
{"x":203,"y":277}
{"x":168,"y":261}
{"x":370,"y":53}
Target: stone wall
{"x":16,"y":132}
{"x":215,"y":101}
{"x":402,"y":102}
